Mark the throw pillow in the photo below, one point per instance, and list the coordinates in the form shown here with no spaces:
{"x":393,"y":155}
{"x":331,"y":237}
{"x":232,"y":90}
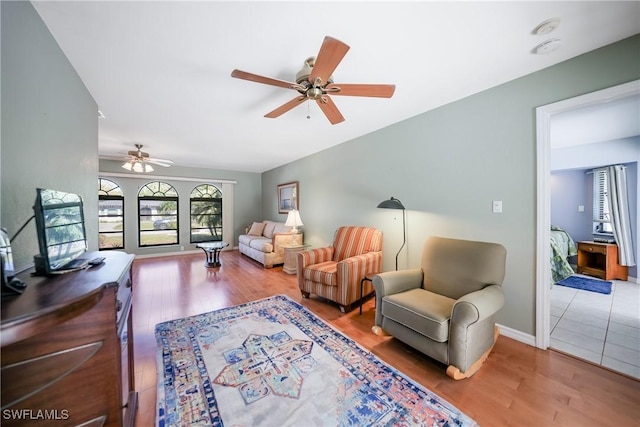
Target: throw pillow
{"x":256,"y":229}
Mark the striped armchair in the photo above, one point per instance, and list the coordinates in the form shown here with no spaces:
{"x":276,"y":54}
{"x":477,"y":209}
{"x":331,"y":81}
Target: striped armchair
{"x":335,"y":272}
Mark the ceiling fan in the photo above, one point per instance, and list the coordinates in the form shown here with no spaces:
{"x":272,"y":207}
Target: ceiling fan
{"x":139,"y":161}
{"x":315,"y":82}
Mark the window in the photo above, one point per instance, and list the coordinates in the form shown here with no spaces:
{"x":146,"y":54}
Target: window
{"x":206,"y":214}
{"x":157,"y":214}
{"x":601,"y":215}
{"x":110,"y":215}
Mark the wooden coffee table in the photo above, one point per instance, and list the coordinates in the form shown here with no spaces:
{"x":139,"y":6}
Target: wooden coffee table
{"x":212,"y":252}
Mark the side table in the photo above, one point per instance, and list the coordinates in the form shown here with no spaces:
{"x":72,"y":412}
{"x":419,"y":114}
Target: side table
{"x":290,"y":264}
{"x":212,"y":252}
{"x":368,"y":278}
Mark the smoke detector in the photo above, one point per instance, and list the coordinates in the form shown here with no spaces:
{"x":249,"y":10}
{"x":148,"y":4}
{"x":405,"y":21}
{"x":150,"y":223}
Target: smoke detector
{"x":547,"y":26}
{"x":547,"y":46}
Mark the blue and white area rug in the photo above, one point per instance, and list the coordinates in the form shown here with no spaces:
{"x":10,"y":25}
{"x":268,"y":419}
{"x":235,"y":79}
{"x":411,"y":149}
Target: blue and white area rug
{"x":274,"y":363}
{"x":587,"y":284}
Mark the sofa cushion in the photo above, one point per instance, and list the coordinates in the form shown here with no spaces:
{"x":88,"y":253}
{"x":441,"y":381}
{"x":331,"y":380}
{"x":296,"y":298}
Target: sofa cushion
{"x":269,"y":228}
{"x":324,"y":272}
{"x":262,"y":244}
{"x":256,"y":229}
{"x":423,"y":311}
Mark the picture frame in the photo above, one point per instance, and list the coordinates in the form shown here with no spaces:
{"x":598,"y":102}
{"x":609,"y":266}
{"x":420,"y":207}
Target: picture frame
{"x":288,"y":197}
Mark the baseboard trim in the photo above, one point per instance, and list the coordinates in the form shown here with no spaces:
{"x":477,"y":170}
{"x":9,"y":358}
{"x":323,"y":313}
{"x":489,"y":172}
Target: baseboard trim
{"x":158,"y":255}
{"x":517,"y":335}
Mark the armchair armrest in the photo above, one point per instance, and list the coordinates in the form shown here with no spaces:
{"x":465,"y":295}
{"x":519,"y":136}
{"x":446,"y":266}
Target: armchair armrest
{"x":472,"y":331}
{"x":393,"y":282}
{"x":351,"y":270}
{"x":477,"y":306}
{"x":314,"y":256}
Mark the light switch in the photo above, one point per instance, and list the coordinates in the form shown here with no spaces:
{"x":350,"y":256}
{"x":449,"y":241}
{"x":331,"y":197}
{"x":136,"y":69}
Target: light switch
{"x":580,"y":208}
{"x":497,"y":206}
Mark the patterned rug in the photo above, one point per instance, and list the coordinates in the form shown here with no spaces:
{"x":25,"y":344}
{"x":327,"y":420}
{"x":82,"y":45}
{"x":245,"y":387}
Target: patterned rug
{"x":587,"y":284}
{"x":274,"y":363}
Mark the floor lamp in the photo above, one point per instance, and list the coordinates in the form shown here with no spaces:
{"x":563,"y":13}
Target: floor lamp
{"x":394,"y":203}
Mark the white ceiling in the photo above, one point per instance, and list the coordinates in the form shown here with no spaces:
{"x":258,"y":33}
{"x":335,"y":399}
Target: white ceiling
{"x":160,"y":71}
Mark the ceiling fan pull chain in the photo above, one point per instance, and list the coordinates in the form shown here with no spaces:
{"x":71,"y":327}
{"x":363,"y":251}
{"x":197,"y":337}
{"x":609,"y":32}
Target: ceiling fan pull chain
{"x":308,"y":114}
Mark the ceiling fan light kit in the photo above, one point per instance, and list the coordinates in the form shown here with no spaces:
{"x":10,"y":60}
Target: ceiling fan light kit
{"x":314,"y":82}
{"x":136,"y":166}
{"x":139,"y":161}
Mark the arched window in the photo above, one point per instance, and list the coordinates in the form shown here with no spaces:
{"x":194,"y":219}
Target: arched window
{"x":110,"y":215}
{"x":157,"y":214}
{"x":206,"y":214}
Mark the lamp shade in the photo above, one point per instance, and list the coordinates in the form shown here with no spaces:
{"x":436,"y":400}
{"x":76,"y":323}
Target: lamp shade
{"x":392,"y":203}
{"x":293,"y":220}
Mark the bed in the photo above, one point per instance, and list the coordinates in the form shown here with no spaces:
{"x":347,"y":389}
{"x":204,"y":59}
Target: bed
{"x":562,"y":247}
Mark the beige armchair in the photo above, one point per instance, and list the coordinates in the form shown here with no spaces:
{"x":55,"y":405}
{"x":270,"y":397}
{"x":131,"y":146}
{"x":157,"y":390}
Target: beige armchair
{"x":446,"y":308}
{"x":334,"y":272}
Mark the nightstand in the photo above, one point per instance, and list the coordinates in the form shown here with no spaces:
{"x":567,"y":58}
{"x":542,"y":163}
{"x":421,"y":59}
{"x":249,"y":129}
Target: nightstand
{"x":600,"y":260}
{"x":290,"y":264}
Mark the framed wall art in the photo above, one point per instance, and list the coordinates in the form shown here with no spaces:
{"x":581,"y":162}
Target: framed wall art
{"x":288,"y":197}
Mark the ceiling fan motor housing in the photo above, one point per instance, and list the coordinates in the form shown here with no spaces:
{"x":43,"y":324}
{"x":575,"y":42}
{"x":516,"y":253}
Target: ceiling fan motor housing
{"x":302,"y":76}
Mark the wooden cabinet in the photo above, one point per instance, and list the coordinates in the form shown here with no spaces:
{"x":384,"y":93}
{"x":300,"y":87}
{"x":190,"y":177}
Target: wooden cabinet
{"x":600,"y":260}
{"x":67,"y":348}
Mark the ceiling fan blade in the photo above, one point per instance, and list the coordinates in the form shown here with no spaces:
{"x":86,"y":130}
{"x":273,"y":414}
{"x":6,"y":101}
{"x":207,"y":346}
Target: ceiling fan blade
{"x":286,"y":107}
{"x":330,"y":110}
{"x":261,"y":79}
{"x":331,"y":53}
{"x":378,"y":91}
{"x":160,"y":162}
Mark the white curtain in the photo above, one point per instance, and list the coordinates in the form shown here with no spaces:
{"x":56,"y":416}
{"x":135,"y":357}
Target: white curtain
{"x":619,"y":209}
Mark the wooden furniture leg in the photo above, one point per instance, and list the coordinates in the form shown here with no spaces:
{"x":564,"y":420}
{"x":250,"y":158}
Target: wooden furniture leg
{"x":455,"y":373}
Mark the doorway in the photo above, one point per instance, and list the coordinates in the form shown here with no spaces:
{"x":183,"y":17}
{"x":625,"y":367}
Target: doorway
{"x":544,"y":116}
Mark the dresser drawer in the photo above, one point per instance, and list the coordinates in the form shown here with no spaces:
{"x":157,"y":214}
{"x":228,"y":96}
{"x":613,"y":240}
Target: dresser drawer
{"x":596,"y":249}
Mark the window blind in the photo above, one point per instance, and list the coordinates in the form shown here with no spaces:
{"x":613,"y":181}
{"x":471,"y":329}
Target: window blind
{"x":601,"y":199}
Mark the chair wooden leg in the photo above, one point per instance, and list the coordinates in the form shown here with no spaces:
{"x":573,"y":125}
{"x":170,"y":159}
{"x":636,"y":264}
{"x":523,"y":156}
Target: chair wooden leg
{"x":379,"y":331}
{"x":455,"y":373}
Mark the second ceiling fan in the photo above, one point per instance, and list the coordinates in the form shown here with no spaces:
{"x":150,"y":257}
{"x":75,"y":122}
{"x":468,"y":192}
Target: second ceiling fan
{"x":314,"y":82}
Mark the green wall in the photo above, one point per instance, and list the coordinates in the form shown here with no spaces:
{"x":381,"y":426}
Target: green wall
{"x":447,"y":166}
{"x":49,"y":127}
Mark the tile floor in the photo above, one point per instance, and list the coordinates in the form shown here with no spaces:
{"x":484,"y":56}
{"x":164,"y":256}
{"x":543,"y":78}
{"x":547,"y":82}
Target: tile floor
{"x":604,"y":329}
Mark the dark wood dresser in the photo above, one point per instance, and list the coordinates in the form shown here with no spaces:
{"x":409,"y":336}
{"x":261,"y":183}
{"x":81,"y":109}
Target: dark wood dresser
{"x":67,"y":348}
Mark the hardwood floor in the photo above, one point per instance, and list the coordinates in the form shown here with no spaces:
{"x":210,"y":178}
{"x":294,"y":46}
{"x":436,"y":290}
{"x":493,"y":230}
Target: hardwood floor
{"x":518,"y":385}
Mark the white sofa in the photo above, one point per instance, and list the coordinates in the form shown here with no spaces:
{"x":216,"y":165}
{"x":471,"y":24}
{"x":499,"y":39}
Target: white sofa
{"x":265,"y":242}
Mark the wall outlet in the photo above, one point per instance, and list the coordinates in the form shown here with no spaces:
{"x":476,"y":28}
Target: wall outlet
{"x":182,"y":248}
{"x":497,"y":206}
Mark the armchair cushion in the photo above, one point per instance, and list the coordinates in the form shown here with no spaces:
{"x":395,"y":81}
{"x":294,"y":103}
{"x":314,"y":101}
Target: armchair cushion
{"x":423,"y":311}
{"x":323,"y":272}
